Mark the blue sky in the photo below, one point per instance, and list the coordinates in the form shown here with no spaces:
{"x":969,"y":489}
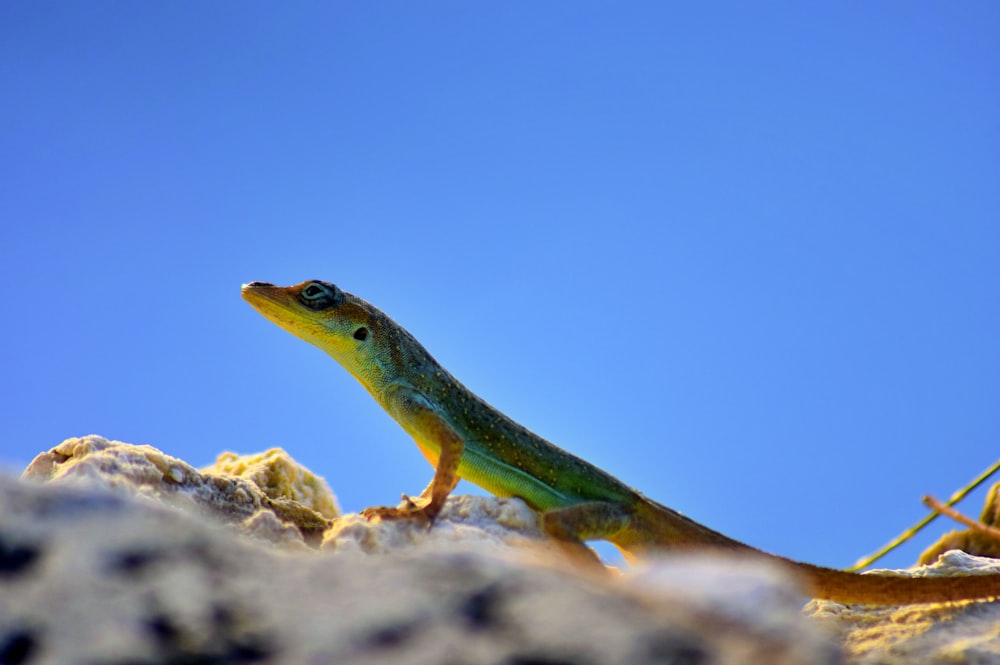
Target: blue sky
{"x":747,"y":258}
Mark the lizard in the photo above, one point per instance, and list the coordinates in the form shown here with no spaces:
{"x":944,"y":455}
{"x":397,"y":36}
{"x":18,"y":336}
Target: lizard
{"x":462,"y":436}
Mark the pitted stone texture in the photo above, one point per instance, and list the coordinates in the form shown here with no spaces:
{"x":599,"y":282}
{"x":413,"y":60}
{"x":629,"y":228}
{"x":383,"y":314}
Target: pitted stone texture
{"x":93,"y":577}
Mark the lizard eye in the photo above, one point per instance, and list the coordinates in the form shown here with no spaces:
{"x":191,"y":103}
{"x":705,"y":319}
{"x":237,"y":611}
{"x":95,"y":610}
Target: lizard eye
{"x":361,"y":334}
{"x":320,"y":295}
{"x":313,"y":291}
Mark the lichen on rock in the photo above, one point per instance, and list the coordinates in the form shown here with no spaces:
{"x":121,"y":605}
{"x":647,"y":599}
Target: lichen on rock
{"x":279,"y":477}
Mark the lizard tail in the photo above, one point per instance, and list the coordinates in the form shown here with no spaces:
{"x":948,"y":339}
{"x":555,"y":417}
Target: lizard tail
{"x":654,"y":526}
{"x":889,"y":589}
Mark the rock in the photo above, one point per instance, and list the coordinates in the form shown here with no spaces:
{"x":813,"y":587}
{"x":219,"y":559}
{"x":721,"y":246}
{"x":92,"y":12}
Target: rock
{"x":114,"y":561}
{"x":280,"y":477}
{"x":97,"y":576}
{"x":267,"y":495}
{"x":481,"y":522}
{"x":930,"y":634}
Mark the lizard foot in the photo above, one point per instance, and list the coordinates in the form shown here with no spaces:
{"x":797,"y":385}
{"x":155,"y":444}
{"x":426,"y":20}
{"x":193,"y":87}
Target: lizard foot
{"x":407,"y":509}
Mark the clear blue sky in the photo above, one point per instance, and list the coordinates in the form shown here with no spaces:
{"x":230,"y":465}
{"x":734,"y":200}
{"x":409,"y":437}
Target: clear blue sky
{"x":744,"y":256}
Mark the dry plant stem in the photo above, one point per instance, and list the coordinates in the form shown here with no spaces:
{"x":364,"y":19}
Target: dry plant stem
{"x":943,"y":509}
{"x":864,"y":562}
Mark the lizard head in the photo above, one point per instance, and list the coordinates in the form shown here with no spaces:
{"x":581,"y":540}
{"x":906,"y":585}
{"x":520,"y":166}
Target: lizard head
{"x":349,"y":329}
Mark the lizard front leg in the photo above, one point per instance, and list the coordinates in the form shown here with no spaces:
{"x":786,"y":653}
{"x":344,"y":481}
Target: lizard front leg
{"x":425,"y":423}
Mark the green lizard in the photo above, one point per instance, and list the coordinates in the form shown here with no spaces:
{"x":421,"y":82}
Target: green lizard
{"x":464,"y":437}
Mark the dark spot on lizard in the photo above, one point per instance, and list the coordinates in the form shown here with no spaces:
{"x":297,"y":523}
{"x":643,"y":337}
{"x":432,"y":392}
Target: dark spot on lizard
{"x":15,"y":557}
{"x":17,"y":647}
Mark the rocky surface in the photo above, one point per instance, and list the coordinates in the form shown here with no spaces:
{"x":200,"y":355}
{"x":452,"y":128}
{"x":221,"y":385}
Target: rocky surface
{"x":487,"y":524}
{"x":126,"y":555}
{"x":268,"y":496}
{"x":945,"y":633}
{"x":965,"y":632}
{"x":93,"y":577}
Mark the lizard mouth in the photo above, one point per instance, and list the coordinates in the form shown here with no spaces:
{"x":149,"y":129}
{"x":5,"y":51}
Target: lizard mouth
{"x":274,"y":302}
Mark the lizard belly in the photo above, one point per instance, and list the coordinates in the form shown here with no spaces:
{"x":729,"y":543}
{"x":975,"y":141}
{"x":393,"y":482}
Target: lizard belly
{"x":498,"y":478}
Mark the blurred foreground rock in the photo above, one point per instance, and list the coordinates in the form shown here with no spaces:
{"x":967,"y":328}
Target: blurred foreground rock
{"x":131,"y":556}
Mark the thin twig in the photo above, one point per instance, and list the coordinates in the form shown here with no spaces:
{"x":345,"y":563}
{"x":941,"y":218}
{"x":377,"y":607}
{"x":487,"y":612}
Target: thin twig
{"x":864,"y":562}
{"x":945,"y":510}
